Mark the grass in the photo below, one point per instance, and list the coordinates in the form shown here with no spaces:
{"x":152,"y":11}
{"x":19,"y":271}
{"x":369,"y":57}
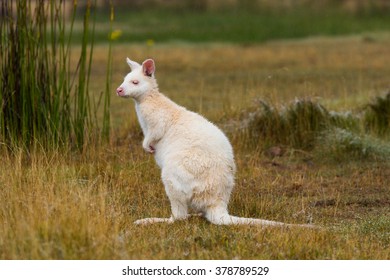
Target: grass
{"x":67,"y":205}
{"x":242,"y":25}
{"x":70,"y":207}
{"x":307,"y":125}
{"x":377,"y":117}
{"x":44,"y":98}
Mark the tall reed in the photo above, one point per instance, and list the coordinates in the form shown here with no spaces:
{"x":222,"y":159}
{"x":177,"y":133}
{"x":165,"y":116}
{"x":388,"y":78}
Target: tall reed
{"x":107,"y":100}
{"x":44,"y":98}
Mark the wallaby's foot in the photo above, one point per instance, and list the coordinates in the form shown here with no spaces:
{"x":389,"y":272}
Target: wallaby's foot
{"x":149,"y":221}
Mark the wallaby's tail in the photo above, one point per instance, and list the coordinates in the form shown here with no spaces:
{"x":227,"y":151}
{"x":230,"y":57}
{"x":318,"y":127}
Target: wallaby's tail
{"x":222,"y":217}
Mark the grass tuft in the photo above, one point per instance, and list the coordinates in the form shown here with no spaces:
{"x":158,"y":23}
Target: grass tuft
{"x":304,"y":120}
{"x":298,"y":125}
{"x":377,"y":115}
{"x":345,"y":144}
{"x":306,"y":125}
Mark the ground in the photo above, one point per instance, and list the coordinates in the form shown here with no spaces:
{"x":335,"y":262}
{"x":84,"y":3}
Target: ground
{"x":58,"y":205}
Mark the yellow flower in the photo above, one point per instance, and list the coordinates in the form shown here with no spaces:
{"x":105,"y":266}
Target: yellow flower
{"x":115,"y":34}
{"x":150,"y":43}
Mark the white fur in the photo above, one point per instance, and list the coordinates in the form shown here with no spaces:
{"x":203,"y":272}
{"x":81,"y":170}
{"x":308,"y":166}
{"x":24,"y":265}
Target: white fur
{"x":195,"y":157}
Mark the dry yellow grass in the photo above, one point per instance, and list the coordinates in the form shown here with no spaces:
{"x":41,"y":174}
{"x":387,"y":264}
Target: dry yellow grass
{"x":60,"y":205}
{"x":56,"y":207}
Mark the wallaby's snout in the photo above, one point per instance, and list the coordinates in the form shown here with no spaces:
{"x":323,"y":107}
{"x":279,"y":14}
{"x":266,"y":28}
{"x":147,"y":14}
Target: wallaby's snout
{"x":120,"y":91}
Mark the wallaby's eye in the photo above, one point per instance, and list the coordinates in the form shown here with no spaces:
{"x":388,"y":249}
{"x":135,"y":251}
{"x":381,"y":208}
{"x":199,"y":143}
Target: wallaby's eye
{"x":135,"y":82}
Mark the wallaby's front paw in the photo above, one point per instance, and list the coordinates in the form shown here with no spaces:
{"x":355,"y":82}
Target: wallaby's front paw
{"x":148,"y":148}
{"x":152,"y":150}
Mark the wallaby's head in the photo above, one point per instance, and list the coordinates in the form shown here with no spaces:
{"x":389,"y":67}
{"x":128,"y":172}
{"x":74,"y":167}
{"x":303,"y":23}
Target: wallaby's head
{"x":139,"y":81}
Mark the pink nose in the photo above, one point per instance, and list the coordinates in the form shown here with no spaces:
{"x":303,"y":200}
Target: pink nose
{"x":120,"y":91}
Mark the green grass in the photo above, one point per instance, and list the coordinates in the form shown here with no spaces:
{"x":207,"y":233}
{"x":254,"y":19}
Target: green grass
{"x":239,"y":26}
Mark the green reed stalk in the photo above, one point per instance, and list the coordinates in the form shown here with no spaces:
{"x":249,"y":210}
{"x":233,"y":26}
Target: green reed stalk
{"x":107,"y":95}
{"x":80,"y":102}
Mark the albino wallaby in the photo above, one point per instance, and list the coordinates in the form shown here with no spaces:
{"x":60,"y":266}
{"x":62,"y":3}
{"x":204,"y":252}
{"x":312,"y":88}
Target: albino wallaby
{"x":195,"y":156}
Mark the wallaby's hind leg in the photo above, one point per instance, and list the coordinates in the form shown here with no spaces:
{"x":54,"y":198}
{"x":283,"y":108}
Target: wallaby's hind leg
{"x":218,"y":216}
{"x":179,"y":206}
{"x":176,"y":195}
{"x":179,"y":212}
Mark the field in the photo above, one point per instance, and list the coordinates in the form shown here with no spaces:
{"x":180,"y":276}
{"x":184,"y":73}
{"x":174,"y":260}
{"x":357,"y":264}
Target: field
{"x":66,"y":205}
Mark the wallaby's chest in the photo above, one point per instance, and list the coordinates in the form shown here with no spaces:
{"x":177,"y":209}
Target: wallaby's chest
{"x":141,"y":118}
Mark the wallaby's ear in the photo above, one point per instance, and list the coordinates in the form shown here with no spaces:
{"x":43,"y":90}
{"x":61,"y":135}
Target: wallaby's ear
{"x":133,"y":65}
{"x":148,"y":67}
